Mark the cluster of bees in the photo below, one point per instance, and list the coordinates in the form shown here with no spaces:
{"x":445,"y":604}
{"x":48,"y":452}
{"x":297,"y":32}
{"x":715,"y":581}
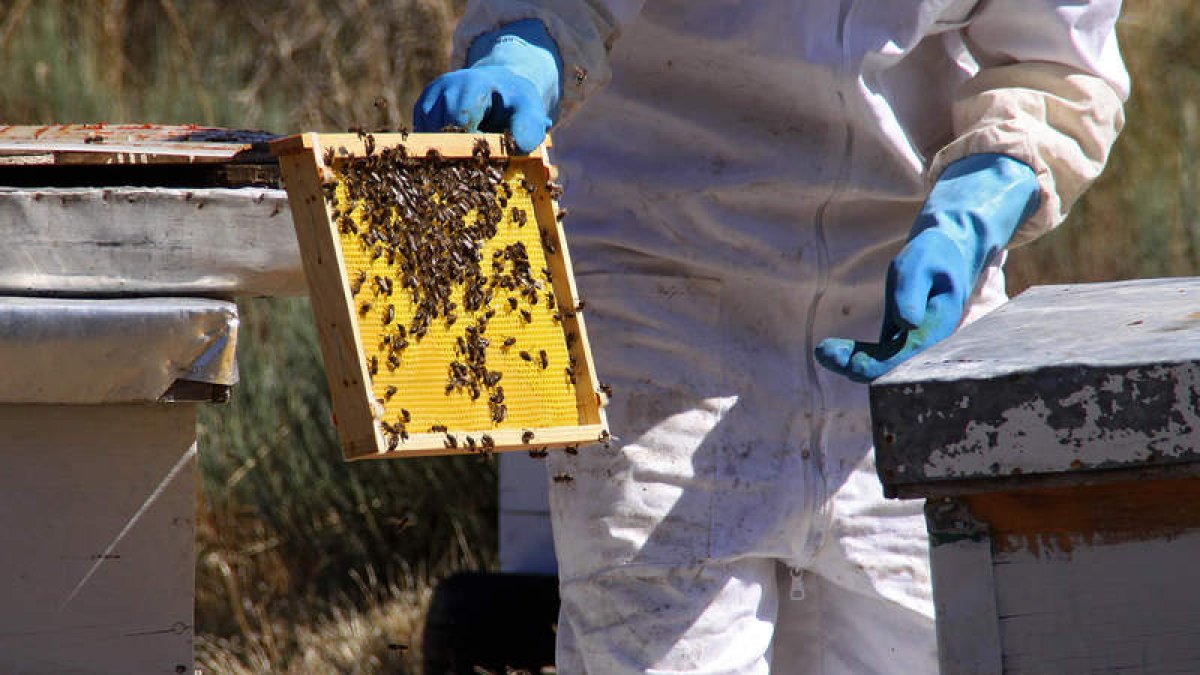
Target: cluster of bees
{"x":428,"y":218}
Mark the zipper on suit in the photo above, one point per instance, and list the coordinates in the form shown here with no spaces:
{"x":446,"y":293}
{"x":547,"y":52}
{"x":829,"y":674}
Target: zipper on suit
{"x":818,"y":410}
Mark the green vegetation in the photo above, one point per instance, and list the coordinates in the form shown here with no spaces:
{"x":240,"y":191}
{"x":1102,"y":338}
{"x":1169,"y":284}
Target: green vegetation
{"x":307,"y":564}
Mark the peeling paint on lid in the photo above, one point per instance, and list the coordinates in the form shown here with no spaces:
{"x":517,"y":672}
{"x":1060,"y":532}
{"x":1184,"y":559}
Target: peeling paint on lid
{"x":1064,"y":379}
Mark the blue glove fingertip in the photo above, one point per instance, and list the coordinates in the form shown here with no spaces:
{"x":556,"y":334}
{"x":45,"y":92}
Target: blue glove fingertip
{"x":428,"y":110}
{"x":834,"y":353}
{"x":529,"y":129}
{"x":470,"y":104}
{"x":865,"y":367}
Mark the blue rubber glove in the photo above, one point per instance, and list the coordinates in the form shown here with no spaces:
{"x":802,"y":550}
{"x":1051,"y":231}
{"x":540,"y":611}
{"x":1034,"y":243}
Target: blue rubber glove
{"x":971,"y":214}
{"x":512,"y":84}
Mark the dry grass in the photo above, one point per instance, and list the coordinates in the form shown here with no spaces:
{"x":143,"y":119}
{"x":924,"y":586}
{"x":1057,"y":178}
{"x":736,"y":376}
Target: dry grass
{"x":385,"y":637}
{"x":1141,"y":218}
{"x":283,"y":65}
{"x":301,"y":556}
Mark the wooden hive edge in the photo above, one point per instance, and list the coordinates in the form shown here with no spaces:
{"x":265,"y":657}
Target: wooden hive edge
{"x":303,"y":162}
{"x":338,"y":332}
{"x":591,"y":401}
{"x":506,"y":440}
{"x":450,"y":145}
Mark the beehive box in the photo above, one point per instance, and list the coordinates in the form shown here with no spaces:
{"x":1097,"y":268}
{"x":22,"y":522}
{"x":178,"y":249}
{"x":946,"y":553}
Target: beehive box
{"x":443,"y":294}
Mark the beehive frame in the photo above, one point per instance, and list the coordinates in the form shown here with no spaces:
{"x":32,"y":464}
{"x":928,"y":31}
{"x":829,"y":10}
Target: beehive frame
{"x":342,"y":281}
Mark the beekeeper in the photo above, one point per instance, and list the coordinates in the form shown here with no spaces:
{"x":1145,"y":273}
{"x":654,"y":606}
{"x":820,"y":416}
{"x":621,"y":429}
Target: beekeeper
{"x":745,"y":179}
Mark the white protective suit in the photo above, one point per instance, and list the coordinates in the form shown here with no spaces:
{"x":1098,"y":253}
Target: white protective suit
{"x":736,"y":193}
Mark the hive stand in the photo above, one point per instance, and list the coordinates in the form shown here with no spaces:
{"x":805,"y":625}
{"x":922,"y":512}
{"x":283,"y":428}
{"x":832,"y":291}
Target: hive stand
{"x":1057,"y":441}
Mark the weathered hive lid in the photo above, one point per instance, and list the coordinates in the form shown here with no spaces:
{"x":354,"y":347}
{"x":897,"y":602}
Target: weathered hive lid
{"x":96,"y":155}
{"x":108,"y":210}
{"x":1065,"y":384}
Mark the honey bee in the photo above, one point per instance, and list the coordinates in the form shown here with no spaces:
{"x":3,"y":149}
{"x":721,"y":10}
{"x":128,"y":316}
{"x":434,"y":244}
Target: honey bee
{"x":545,"y":360}
{"x":390,"y":392}
{"x":525,"y":356}
{"x":356,"y":284}
{"x":539,"y":453}
{"x":526,"y":436}
{"x":509,"y":341}
{"x":389,"y":315}
{"x":482,"y":149}
{"x":438,"y":428}
{"x":508,"y":144}
{"x":373,"y":366}
{"x":563,"y":478}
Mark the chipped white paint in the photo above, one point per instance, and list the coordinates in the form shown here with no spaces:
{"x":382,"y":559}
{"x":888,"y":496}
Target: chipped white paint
{"x":1029,"y":440}
{"x":148,"y":241}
